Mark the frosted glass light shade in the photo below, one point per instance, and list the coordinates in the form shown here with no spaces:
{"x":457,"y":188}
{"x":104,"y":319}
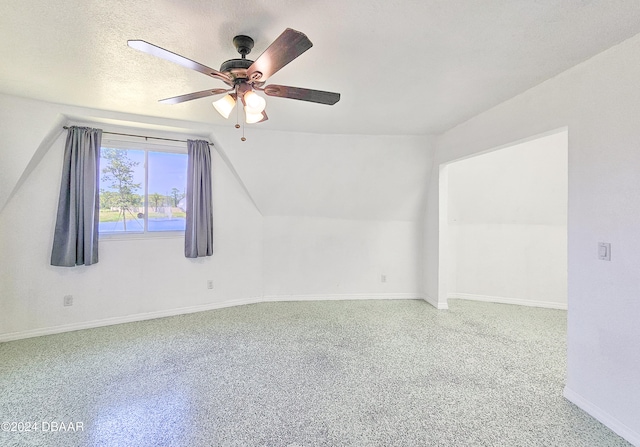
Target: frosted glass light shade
{"x":254,"y":103}
{"x":225,"y":105}
{"x":252,"y":118}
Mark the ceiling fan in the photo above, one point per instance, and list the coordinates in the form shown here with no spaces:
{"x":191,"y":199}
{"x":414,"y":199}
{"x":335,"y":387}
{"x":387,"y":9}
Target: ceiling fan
{"x":244,"y":77}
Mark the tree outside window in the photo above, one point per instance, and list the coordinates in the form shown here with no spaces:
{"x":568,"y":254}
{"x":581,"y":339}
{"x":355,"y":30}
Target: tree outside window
{"x":142,"y":191}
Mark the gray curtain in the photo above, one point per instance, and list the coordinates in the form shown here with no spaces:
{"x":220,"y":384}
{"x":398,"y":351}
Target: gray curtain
{"x":198,"y":237}
{"x":75,"y":241}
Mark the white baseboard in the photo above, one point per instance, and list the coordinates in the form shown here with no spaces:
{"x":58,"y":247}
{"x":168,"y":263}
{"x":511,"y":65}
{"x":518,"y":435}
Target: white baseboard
{"x":343,"y":297}
{"x":506,"y":300}
{"x":598,"y":413}
{"x":434,"y":302}
{"x":11,"y":336}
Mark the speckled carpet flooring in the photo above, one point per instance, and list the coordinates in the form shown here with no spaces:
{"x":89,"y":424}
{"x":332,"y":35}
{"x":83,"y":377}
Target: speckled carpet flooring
{"x":340,"y":373}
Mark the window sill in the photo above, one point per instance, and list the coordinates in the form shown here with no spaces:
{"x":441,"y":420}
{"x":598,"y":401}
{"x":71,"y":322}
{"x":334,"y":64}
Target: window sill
{"x":141,"y":236}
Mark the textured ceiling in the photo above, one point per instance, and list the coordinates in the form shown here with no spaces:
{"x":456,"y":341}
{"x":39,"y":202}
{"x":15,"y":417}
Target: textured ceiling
{"x":402,"y":66}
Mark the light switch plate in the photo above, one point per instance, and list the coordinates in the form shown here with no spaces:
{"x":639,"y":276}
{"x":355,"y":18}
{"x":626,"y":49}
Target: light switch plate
{"x":604,"y":251}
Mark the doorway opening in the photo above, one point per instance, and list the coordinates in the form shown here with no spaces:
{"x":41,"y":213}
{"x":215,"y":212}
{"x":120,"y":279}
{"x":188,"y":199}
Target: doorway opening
{"x":503,"y":224}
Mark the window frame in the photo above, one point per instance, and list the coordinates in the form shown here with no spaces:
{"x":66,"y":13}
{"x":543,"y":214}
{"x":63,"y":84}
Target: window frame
{"x":147,"y":146}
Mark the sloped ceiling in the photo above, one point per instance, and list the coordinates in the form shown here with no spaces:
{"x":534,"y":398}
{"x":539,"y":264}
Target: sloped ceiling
{"x":333,"y":176}
{"x":402,"y":66}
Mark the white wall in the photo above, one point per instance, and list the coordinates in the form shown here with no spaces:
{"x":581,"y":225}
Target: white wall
{"x":134,"y":278}
{"x":340,"y":211}
{"x":24,"y":124}
{"x":357,"y":199}
{"x":507,"y":225}
{"x":599,"y":102}
{"x":325,"y":258}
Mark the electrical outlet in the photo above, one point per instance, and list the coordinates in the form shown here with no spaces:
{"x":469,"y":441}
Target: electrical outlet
{"x":383,"y":278}
{"x":210,"y":284}
{"x":68,"y":300}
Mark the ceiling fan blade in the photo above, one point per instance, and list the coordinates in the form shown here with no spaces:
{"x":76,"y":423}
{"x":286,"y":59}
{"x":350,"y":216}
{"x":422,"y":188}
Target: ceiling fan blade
{"x":156,"y":51}
{"x":289,"y":45}
{"x":303,"y":94}
{"x":195,"y":95}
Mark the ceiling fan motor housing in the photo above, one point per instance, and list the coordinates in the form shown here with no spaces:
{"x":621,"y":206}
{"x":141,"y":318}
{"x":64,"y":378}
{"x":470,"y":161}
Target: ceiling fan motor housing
{"x":237,"y":68}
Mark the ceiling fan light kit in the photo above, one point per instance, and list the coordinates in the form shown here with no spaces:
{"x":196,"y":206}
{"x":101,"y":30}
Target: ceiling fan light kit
{"x":244,"y":76}
{"x":225,"y":105}
{"x":252,"y":118}
{"x":254,"y":104}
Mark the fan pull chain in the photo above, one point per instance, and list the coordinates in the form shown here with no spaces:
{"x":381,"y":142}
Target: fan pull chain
{"x":237,"y":117}
{"x":237,"y":110}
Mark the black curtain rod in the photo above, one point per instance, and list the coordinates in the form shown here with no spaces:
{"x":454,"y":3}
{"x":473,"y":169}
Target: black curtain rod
{"x":143,"y":136}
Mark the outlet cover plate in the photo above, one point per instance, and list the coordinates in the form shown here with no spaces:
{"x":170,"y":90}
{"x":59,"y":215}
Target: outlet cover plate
{"x":604,"y":251}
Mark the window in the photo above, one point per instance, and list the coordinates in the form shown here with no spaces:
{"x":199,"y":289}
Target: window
{"x":142,"y":189}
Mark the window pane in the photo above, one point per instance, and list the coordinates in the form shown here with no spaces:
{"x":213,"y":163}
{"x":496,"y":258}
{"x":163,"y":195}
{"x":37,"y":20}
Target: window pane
{"x":167,"y":191}
{"x":121,"y":190}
